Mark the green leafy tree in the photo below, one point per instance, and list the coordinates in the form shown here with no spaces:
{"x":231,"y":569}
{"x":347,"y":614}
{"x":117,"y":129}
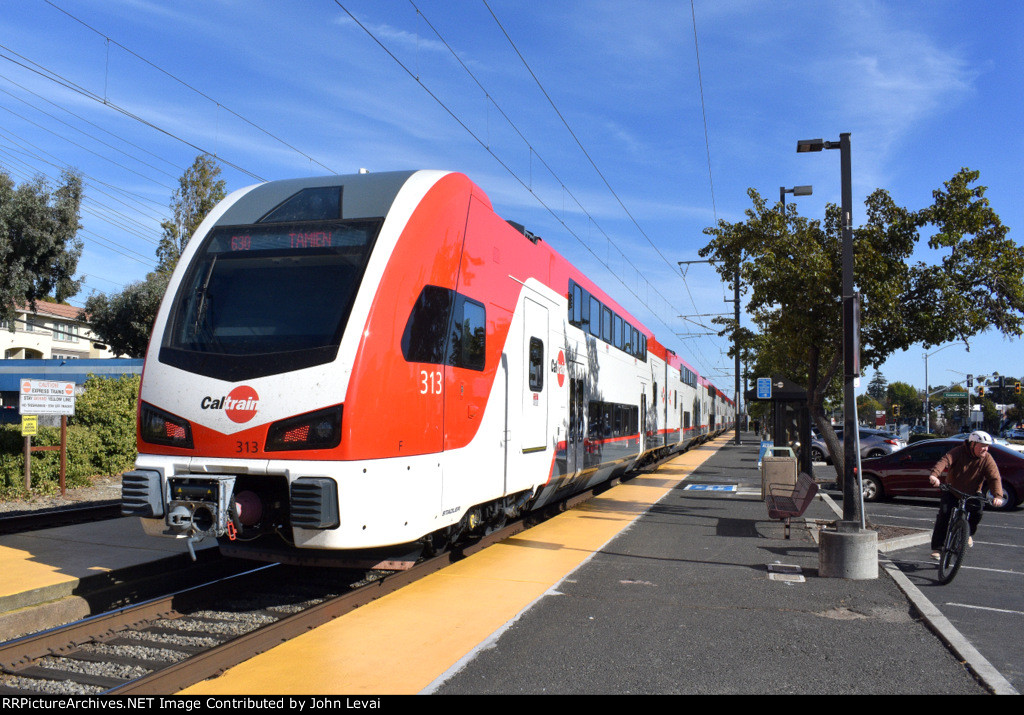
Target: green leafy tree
{"x":38,"y":249}
{"x":199,"y":190}
{"x":907,"y":397}
{"x":790,"y":268}
{"x":124,"y":320}
{"x":867,"y":406}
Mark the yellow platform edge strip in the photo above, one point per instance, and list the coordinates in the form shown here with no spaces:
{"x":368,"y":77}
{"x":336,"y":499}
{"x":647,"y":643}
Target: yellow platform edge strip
{"x":404,"y":642}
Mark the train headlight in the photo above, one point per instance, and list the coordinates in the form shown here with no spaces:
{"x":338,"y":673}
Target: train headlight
{"x":159,"y":427}
{"x":314,"y":430}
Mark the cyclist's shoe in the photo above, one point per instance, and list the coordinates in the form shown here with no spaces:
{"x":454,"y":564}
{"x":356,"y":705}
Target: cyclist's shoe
{"x":935,"y":555}
{"x":970,"y":542}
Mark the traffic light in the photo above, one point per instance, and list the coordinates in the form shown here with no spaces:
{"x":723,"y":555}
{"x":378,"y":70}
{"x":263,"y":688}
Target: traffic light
{"x":1016,"y":388}
{"x":970,"y":381}
{"x":895,"y":410}
{"x":981,"y":390}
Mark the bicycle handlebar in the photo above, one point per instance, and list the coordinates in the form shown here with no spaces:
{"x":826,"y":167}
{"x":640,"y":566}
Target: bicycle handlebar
{"x":963,"y":495}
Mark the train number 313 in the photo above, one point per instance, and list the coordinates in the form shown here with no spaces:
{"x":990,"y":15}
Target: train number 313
{"x":430,"y":382}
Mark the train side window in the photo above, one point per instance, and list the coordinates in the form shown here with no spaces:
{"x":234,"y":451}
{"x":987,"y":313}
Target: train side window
{"x":617,"y":330}
{"x":595,"y":317}
{"x":424,"y":339}
{"x":536,"y":364}
{"x":606,"y":324}
{"x":467,"y":338}
{"x":593,"y":420}
{"x":576,"y":305}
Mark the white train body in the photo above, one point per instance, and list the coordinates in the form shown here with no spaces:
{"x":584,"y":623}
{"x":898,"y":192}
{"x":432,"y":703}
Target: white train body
{"x":379,"y":361}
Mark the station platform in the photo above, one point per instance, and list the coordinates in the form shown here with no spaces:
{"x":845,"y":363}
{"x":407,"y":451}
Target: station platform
{"x":674,"y":582}
{"x":48,"y":576}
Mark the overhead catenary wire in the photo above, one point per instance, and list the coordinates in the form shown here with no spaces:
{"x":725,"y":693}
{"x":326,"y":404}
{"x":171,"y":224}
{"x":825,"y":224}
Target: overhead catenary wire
{"x":527,"y":184}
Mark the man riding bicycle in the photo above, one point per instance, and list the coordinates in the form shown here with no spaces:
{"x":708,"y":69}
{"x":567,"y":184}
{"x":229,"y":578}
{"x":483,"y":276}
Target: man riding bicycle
{"x":970,"y":468}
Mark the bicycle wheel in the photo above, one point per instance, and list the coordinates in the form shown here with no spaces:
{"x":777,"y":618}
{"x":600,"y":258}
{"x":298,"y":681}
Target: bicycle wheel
{"x":952,"y":554}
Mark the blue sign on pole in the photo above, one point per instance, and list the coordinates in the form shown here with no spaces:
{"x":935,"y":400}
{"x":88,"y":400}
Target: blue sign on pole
{"x":764,"y":388}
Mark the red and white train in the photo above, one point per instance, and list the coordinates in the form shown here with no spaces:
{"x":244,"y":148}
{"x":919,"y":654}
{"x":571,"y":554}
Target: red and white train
{"x":377,"y":363}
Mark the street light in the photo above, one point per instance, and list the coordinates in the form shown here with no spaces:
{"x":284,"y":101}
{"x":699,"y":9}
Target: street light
{"x":853,"y":510}
{"x":796,"y":191}
{"x":927,"y":395}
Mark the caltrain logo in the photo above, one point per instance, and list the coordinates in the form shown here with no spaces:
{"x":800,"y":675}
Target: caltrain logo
{"x":240,"y":405}
{"x":561,"y":368}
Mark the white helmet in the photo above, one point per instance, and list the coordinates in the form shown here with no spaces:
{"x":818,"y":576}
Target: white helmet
{"x":979,"y":436}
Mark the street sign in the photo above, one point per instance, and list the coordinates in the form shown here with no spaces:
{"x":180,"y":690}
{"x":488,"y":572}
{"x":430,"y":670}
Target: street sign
{"x":764,"y":388}
{"x":46,"y":397}
{"x":955,"y":395}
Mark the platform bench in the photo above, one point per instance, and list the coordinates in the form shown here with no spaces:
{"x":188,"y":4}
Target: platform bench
{"x":785,"y":502}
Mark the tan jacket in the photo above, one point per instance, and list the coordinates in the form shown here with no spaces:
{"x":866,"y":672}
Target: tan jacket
{"x":968,"y":473}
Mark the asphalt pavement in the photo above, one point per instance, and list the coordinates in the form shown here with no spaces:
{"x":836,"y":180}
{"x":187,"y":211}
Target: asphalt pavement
{"x":703,"y":595}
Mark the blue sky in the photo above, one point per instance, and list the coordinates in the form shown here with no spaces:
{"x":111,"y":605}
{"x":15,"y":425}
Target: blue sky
{"x":586,"y":121}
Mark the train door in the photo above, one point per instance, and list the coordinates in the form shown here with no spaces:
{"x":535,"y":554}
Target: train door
{"x":535,"y":391}
{"x":574,"y":451}
{"x":645,"y":439}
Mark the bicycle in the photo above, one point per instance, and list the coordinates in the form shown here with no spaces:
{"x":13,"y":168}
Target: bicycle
{"x":958,"y":531}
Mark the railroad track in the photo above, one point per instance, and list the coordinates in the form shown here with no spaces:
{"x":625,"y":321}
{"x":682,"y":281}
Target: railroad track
{"x":168,"y":643}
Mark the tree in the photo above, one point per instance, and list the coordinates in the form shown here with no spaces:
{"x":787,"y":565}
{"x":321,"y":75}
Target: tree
{"x":907,"y":397}
{"x":38,"y":249}
{"x":790,"y":267}
{"x":198,"y":192}
{"x":876,"y":388}
{"x":125,"y":320}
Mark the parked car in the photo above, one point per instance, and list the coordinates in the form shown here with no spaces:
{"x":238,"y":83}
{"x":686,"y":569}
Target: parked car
{"x":873,"y":443}
{"x":905,"y":473}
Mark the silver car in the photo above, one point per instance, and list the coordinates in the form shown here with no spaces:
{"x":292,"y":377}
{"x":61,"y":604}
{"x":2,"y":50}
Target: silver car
{"x":873,"y":443}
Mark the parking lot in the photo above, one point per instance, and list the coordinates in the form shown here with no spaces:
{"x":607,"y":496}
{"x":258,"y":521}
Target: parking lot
{"x":985,"y":601}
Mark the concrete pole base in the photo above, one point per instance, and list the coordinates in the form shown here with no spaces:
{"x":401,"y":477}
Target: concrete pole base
{"x":848,"y":554}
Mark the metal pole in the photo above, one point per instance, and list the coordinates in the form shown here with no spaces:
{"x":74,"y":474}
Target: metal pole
{"x":852,"y":509}
{"x":927,"y":406}
{"x":736,"y":348}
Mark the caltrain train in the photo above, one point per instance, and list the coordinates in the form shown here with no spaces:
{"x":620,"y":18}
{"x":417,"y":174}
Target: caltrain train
{"x":373,"y":365}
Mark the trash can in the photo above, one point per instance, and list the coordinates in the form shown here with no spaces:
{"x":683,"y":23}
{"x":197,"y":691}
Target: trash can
{"x":778,"y":469}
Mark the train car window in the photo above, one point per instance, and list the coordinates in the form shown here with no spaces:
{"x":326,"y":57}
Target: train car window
{"x":636,"y":343}
{"x":584,"y":311}
{"x":593,"y":420}
{"x":606,"y":325}
{"x":468,"y":334}
{"x":576,"y":305}
{"x":536,"y":364}
{"x":426,"y":332}
{"x":314,"y":204}
{"x":595,"y":317}
{"x":617,"y":332}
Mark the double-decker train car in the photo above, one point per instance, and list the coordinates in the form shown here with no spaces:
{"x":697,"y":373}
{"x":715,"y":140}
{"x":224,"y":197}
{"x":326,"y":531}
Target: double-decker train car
{"x":376,"y":364}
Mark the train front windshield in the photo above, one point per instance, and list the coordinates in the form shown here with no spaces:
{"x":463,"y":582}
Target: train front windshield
{"x":260,"y":299}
